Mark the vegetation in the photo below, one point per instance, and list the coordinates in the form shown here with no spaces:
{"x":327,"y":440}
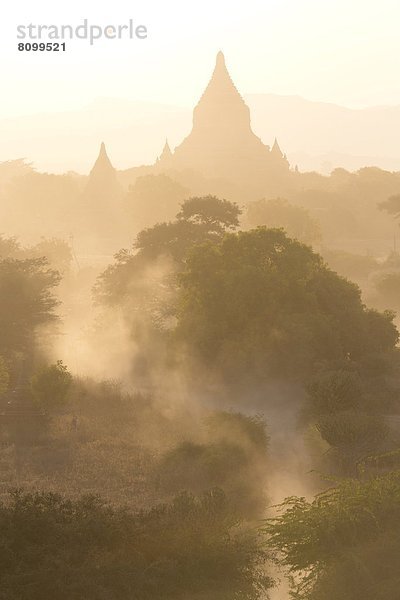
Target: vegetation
{"x":232,"y":456}
{"x":199,"y":220}
{"x":53,"y":547}
{"x":203,"y":317}
{"x":388,"y":286}
{"x":344,"y":544}
{"x":50,"y":386}
{"x":26,"y":301}
{"x":348,"y":408}
{"x":258,"y":305}
{"x":4,"y":376}
{"x":152,"y":195}
{"x":295,"y":220}
{"x":392,"y":205}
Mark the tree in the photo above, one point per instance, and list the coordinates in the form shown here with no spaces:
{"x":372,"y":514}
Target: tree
{"x":391,"y":205}
{"x":55,"y":250}
{"x":153,"y":199}
{"x":50,"y":386}
{"x":388,"y":286}
{"x":232,"y":456}
{"x":54,"y":547}
{"x":211,"y":213}
{"x":278,"y":212}
{"x":9,"y":247}
{"x":169,"y":239}
{"x":355,"y":267}
{"x":258,"y":304}
{"x":347,"y":406}
{"x":334,"y":391}
{"x":26,"y":302}
{"x":200,"y":219}
{"x":4,"y":376}
{"x":343,"y":544}
{"x":37,"y":194}
{"x":352,"y":436}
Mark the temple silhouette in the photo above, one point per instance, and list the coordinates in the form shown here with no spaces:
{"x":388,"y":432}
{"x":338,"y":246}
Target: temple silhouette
{"x":221,"y":149}
{"x":222,"y":143}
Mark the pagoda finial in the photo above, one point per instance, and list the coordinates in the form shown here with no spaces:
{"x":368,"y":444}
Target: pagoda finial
{"x":276,"y":149}
{"x":103,"y":151}
{"x":166,"y":153}
{"x":220,"y":62}
{"x":102,"y":161}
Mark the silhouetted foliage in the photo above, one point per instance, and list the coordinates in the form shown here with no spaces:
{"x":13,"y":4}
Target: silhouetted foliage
{"x":335,"y":391}
{"x":391,"y":205}
{"x":388,"y":285}
{"x":232,"y":455}
{"x":4,"y":376}
{"x":199,"y":220}
{"x":53,"y":547}
{"x":211,"y":213}
{"x":57,"y":252}
{"x":50,"y":386}
{"x":9,"y":247}
{"x":26,"y":301}
{"x":343,"y":544}
{"x":258,"y":304}
{"x":278,"y":212}
{"x":153,"y":199}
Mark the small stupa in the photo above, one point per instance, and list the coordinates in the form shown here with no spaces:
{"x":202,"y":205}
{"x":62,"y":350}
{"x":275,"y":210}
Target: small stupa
{"x":165,"y":158}
{"x":103,"y":176}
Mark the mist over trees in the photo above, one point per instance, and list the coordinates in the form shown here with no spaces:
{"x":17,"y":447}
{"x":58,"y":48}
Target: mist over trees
{"x":200,"y":374}
{"x":231,"y":313}
{"x":84,"y":548}
{"x":27,"y":301}
{"x":345,"y":543}
{"x":260,"y":304}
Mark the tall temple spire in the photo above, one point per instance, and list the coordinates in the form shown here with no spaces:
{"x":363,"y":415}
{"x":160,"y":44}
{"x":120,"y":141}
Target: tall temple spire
{"x":220,"y":66}
{"x":103,"y":163}
{"x":103,"y":176}
{"x":166,"y":153}
{"x":101,"y":195}
{"x":276,"y":151}
{"x":222,"y":144}
{"x":220,"y":59}
{"x":221,"y":101}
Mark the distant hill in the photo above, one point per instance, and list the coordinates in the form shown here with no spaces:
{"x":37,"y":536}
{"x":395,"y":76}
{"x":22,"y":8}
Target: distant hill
{"x":321,"y":136}
{"x":315,"y":135}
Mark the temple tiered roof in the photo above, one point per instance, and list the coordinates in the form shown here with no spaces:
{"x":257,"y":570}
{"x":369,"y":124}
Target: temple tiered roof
{"x":222,"y":143}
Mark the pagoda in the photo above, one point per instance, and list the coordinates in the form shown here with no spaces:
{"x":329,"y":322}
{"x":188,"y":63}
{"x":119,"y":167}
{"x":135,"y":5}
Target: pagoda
{"x":101,"y":203}
{"x":222,"y":143}
{"x":103,"y":177}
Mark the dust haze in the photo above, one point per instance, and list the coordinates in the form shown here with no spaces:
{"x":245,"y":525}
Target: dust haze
{"x":199,"y":358}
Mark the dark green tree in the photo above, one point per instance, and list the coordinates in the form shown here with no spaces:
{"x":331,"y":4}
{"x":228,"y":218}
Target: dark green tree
{"x":26,"y":302}
{"x":53,"y":547}
{"x":278,"y":212}
{"x":200,"y":219}
{"x":343,"y":544}
{"x":4,"y":376}
{"x":391,"y":205}
{"x":50,"y":386}
{"x":258,"y":304}
{"x":210,"y":212}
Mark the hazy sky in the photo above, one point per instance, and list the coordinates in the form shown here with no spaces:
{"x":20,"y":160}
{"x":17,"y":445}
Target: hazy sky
{"x":342,"y":51}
